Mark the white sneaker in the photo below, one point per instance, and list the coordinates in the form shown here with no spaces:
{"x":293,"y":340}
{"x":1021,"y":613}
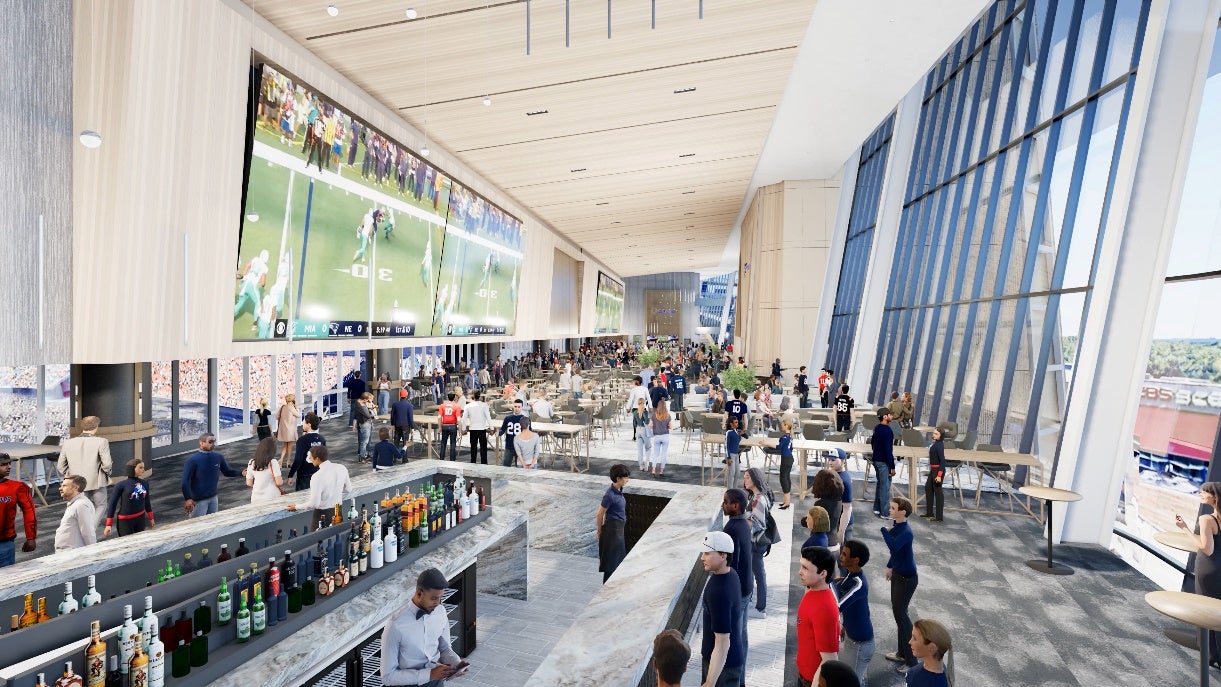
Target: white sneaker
{"x":753,"y":612}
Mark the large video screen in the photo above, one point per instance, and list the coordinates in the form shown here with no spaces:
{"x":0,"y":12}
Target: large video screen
{"x":343,"y":228}
{"x":608,"y":308}
{"x":480,"y":268}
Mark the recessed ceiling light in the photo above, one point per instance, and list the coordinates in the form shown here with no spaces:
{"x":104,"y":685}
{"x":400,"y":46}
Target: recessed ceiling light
{"x":688,"y":89}
{"x":578,"y":169}
{"x":536,"y":112}
{"x":90,"y":139}
{"x":487,"y":100}
{"x":411,"y":13}
{"x":332,"y":10}
{"x":687,"y":155}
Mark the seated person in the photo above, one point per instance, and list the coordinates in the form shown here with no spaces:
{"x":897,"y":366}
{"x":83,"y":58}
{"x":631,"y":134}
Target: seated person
{"x":702,"y":386}
{"x":385,"y":453}
{"x":542,"y":407}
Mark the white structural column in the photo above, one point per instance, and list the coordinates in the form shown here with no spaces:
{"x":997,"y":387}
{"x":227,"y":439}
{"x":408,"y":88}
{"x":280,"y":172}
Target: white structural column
{"x":835,"y":261}
{"x":1097,"y":437}
{"x":885,"y":235}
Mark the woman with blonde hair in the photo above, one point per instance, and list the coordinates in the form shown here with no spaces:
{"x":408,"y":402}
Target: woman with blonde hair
{"x":660,"y":425}
{"x":819,"y":523}
{"x":929,"y":643}
{"x":286,"y":426}
{"x":644,"y":441}
{"x":263,"y":473}
{"x":262,"y":420}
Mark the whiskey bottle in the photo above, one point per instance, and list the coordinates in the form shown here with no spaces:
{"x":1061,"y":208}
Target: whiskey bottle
{"x":156,"y":663}
{"x":386,"y":502}
{"x":321,"y":560}
{"x":288,"y":578}
{"x":29,"y":617}
{"x":199,"y":650}
{"x":309,"y":591}
{"x":68,"y":605}
{"x":258,"y":612}
{"x":337,"y":518}
{"x":323,"y":586}
{"x":204,"y":561}
{"x":41,"y":680}
{"x":180,"y":659}
{"x":224,"y":603}
{"x":137,"y":669}
{"x":91,"y":597}
{"x":224,"y":554}
{"x":114,"y":678}
{"x":352,"y":513}
{"x":203,"y":617}
{"x":69,"y":678}
{"x":187,"y":564}
{"x":363,"y":549}
{"x":353,"y":560}
{"x":42,"y":610}
{"x":243,"y":619}
{"x":241,"y":547}
{"x":127,"y":640}
{"x":95,"y":657}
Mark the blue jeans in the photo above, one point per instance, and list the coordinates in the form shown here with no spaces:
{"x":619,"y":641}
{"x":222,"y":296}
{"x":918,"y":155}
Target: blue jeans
{"x":383,"y":401}
{"x":205,"y":507}
{"x":858,"y":655}
{"x":449,"y":435}
{"x":8,"y":553}
{"x":881,"y":498}
{"x":745,"y":640}
{"x":760,"y":579}
{"x":364,"y":434}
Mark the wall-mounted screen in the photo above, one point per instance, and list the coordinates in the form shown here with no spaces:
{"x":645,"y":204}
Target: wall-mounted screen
{"x":608,"y":309}
{"x":480,"y":268}
{"x":343,"y":228}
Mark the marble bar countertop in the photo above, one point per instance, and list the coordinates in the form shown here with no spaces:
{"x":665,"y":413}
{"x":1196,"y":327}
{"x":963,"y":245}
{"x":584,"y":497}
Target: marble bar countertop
{"x":39,"y":573}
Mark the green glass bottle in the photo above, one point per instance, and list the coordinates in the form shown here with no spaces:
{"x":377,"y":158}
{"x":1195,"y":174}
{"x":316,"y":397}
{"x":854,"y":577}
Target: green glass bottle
{"x":180,"y":659}
{"x":413,"y":538}
{"x":308,"y":592}
{"x":258,"y":612}
{"x":224,"y":603}
{"x":203,"y":617}
{"x":199,"y":650}
{"x":243,"y":618}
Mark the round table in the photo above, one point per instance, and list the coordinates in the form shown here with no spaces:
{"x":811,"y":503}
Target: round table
{"x":1177,"y":539}
{"x":1194,"y":609}
{"x":1050,"y":495}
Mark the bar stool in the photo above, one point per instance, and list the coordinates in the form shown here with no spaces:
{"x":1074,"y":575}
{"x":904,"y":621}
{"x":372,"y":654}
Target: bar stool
{"x":1204,"y":612}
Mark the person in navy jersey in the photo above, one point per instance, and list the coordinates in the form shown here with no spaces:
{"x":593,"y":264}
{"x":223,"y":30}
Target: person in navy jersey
{"x":737,"y":526}
{"x":658,"y":393}
{"x":802,"y":387}
{"x":843,"y":410}
{"x":130,"y":503}
{"x":302,"y":469}
{"x":402,"y":418}
{"x":722,"y":650}
{"x":201,"y":475}
{"x":930,"y":641}
{"x":737,"y":408}
{"x":509,"y":428}
{"x":678,"y":388}
{"x":776,"y":369}
{"x":901,"y":572}
{"x":852,"y":590}
{"x":883,"y":444}
{"x":837,"y":461}
{"x":609,"y":522}
{"x":934,"y":496}
{"x":356,"y":388}
{"x":784,"y":446}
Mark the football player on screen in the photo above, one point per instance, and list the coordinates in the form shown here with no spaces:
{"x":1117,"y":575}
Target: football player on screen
{"x":487,"y":271}
{"x":254,"y":278}
{"x":366,"y":230}
{"x":426,"y":263}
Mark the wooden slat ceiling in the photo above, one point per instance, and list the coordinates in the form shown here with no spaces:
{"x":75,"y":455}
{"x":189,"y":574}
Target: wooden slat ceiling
{"x":661,"y":176}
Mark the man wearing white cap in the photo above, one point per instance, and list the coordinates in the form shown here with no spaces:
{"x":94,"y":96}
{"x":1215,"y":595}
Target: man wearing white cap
{"x":724,"y":660}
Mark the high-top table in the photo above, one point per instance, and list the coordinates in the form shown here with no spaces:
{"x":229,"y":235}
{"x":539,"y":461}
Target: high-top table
{"x":1204,"y":612}
{"x":1050,"y":495}
{"x":1182,"y":541}
{"x":21,"y":452}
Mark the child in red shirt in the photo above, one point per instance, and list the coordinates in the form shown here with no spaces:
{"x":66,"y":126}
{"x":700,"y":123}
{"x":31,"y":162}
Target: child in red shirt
{"x":817,"y":616}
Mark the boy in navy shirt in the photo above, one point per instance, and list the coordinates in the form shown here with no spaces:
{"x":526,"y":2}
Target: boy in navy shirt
{"x":737,"y":408}
{"x":852,"y":591}
{"x":724,"y":656}
{"x":678,"y":388}
{"x":511,"y":427}
{"x":658,"y":393}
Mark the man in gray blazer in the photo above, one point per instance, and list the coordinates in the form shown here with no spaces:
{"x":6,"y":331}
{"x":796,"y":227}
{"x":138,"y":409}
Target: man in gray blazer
{"x":88,"y":455}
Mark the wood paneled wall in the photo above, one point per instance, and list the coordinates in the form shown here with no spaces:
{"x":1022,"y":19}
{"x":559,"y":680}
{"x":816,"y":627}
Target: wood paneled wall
{"x":35,"y":182}
{"x":156,"y":208}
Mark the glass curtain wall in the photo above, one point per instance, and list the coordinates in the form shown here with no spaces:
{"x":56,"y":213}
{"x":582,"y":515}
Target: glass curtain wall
{"x":1180,"y":399}
{"x":866,"y":199}
{"x":1013,"y":169}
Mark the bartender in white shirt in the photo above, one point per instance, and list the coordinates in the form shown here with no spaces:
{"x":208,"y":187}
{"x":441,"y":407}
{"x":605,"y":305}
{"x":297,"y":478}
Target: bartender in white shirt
{"x":329,"y":486}
{"x":415,"y":644}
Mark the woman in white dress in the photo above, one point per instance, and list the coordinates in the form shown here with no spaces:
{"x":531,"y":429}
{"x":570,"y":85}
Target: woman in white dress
{"x":263,"y":473}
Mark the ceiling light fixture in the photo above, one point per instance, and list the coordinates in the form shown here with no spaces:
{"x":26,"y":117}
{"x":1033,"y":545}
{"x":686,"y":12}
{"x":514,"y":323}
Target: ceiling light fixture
{"x":687,"y":193}
{"x":578,"y":169}
{"x":487,"y":101}
{"x":605,"y":202}
{"x":536,"y":112}
{"x":332,"y":10}
{"x":689,"y":213}
{"x":425,"y":151}
{"x":689,"y":89}
{"x":687,"y":155}
{"x":90,"y":139}
{"x":411,"y":13}
{"x":252,"y":216}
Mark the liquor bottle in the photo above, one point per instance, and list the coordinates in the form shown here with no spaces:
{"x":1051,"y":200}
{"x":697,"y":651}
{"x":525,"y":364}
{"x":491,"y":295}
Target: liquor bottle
{"x":203,"y":617}
{"x":241,"y":547}
{"x":69,"y":678}
{"x":483,"y":499}
{"x":224,"y":604}
{"x":187,"y":564}
{"x":204,"y":561}
{"x":177,"y":570}
{"x":375,"y":522}
{"x":363,"y":549}
{"x":401,"y":536}
{"x":148,"y":623}
{"x":279,"y":536}
{"x":256,"y":579}
{"x":354,"y":560}
{"x":224,"y":554}
{"x":309,"y":592}
{"x":91,"y":597}
{"x":465,"y":503}
{"x":258,"y":612}
{"x":321,"y":560}
{"x":127,"y":640}
{"x":42,"y":610}
{"x":337,"y":518}
{"x":323,"y":586}
{"x":115,"y":677}
{"x":271,"y":591}
{"x":68,"y":605}
{"x":243,"y":618}
{"x":183,"y":628}
{"x":156,"y":663}
{"x":340,"y":579}
{"x":95,"y":657}
{"x":239,"y":587}
{"x":423,"y":533}
{"x":169,"y":569}
{"x":390,"y":545}
{"x":282,"y":599}
{"x":292,"y":588}
{"x":405,"y":514}
{"x":386,"y":502}
{"x":180,"y":659}
{"x":137,"y":669}
{"x":352,"y":512}
{"x":199,"y":650}
{"x":41,"y":680}
{"x":413,"y":538}
{"x":364,"y":520}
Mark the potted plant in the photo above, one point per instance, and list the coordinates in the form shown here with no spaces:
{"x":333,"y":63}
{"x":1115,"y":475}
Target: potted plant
{"x":648,"y":357}
{"x":738,"y":377}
